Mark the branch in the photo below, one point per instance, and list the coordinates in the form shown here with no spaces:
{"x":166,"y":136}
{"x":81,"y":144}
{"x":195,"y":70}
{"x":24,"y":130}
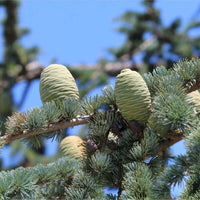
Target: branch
{"x":110,"y":68}
{"x":75,"y":122}
{"x":25,"y":92}
{"x":168,"y":143}
{"x":51,"y":128}
{"x":142,"y":47}
{"x":32,"y":71}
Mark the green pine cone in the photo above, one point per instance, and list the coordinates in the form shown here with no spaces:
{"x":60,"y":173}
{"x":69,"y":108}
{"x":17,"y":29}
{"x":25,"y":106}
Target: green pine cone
{"x":56,"y":83}
{"x":193,"y":98}
{"x":132,"y":96}
{"x":72,"y":146}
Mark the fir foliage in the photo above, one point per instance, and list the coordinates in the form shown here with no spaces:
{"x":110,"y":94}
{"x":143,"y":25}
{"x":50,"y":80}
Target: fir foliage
{"x":187,"y":69}
{"x":14,"y":124}
{"x":109,"y":95}
{"x":91,"y":104}
{"x":101,"y":122}
{"x":69,"y":108}
{"x":127,"y":139}
{"x":137,"y":181}
{"x":100,"y":164}
{"x":173,"y":175}
{"x":35,"y":120}
{"x":27,"y":183}
{"x":153,"y":80}
{"x":170,"y":113}
{"x":84,"y":187}
{"x":35,"y":141}
{"x":51,"y":111}
{"x":162,"y":81}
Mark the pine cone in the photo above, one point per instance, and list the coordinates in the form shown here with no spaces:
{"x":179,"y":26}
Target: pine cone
{"x":72,"y":146}
{"x":132,"y":96}
{"x":91,"y":146}
{"x":194,"y":99}
{"x":56,"y":82}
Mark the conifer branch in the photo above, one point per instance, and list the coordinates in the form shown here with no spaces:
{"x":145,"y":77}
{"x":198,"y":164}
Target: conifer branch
{"x":51,"y":128}
{"x":168,"y":143}
{"x":191,"y":83}
{"x":75,"y":122}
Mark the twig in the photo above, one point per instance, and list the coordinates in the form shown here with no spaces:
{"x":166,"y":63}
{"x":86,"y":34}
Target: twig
{"x":142,"y":47}
{"x":163,"y":145}
{"x":51,"y":128}
{"x":167,"y":143}
{"x":25,"y":92}
{"x":75,"y":122}
{"x":110,"y":68}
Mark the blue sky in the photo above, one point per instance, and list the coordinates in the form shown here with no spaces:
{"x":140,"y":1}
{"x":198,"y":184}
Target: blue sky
{"x":80,"y":31}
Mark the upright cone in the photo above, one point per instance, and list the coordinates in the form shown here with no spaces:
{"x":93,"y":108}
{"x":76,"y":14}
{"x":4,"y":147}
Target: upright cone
{"x":132,"y":96}
{"x":72,"y":146}
{"x":193,"y":98}
{"x":56,"y":82}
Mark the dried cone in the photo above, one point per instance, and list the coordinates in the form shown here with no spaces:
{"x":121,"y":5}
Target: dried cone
{"x":72,"y":146}
{"x":132,"y":96}
{"x":56,"y":82}
{"x":194,"y":98}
